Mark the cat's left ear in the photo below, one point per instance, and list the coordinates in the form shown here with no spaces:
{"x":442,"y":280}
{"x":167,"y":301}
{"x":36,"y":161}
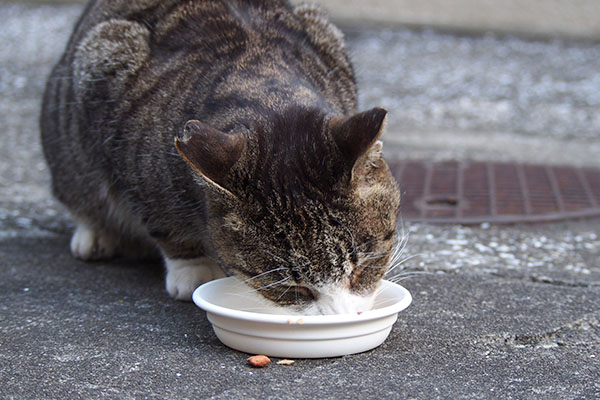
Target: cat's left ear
{"x":355,"y":135}
{"x":210,"y":152}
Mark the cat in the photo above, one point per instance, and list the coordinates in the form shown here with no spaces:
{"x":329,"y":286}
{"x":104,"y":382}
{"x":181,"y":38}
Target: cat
{"x":225,"y":134}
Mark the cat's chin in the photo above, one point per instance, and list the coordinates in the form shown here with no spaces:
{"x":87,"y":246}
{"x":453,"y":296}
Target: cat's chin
{"x":339,"y":301}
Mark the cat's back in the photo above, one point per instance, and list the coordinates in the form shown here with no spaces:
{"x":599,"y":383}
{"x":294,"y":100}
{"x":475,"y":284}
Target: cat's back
{"x":216,"y":26}
{"x":135,"y":71}
{"x":121,"y":48}
{"x":183,"y":22}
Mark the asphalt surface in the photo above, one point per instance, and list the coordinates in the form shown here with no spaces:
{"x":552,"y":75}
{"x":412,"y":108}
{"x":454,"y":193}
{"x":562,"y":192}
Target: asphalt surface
{"x":498,"y":311}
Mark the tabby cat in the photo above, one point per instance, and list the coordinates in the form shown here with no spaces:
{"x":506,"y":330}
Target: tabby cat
{"x":225,"y":134}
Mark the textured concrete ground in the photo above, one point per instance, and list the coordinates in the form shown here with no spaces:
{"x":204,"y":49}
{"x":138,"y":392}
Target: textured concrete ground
{"x":498,"y":311}
{"x":538,"y":18}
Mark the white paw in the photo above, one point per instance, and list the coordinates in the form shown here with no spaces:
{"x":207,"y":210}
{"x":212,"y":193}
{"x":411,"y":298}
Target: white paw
{"x":185,"y":275}
{"x":89,"y":244}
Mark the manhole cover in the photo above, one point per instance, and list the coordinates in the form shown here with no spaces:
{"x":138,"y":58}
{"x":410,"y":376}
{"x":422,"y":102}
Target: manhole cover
{"x":475,"y":192}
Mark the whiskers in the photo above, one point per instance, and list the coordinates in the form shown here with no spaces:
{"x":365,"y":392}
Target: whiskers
{"x":399,"y":277}
{"x":265,"y":273}
{"x":373,"y":255}
{"x":272,"y":284}
{"x":398,"y":271}
{"x":256,"y":291}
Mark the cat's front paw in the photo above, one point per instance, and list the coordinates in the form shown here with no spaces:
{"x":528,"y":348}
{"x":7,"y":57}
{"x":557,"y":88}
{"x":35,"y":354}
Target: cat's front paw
{"x":185,"y":275}
{"x":90,"y":244}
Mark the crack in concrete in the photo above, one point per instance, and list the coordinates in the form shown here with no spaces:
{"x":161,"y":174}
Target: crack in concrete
{"x":559,"y":282}
{"x":588,"y":327}
{"x":546,"y":280}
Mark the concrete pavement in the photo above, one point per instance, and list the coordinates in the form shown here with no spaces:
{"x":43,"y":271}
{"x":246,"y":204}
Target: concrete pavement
{"x":578,"y":19}
{"x":108,"y":330}
{"x":498,"y":311}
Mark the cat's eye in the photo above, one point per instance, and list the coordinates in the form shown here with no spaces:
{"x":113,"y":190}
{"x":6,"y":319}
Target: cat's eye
{"x":303,"y":292}
{"x":294,"y":295}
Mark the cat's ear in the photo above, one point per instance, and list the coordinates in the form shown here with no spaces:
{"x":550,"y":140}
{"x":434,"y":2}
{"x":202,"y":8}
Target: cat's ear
{"x":355,"y":135}
{"x":210,"y":152}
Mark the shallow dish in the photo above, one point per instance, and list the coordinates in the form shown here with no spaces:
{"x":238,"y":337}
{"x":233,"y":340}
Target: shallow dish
{"x":245,"y":321}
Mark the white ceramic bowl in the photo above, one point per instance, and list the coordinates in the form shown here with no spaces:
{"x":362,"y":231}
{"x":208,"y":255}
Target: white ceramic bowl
{"x":245,"y":321}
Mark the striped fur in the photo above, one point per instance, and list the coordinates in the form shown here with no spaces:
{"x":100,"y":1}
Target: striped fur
{"x":306,"y":192}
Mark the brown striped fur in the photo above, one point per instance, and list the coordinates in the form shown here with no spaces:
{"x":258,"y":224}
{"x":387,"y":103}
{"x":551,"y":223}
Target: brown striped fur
{"x":273,"y":172}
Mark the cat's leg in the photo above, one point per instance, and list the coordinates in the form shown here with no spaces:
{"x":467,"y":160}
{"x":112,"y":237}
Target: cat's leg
{"x":106,"y":227}
{"x":185,"y":275}
{"x":187,"y":266}
{"x":89,"y":243}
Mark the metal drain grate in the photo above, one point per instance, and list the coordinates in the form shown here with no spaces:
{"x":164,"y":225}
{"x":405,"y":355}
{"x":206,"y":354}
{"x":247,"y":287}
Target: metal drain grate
{"x":475,"y":192}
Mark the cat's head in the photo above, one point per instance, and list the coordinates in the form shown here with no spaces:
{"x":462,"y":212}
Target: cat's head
{"x":302,"y":206}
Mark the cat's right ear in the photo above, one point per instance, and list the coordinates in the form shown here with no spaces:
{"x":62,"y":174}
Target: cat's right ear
{"x":210,"y":152}
{"x":355,"y":135}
